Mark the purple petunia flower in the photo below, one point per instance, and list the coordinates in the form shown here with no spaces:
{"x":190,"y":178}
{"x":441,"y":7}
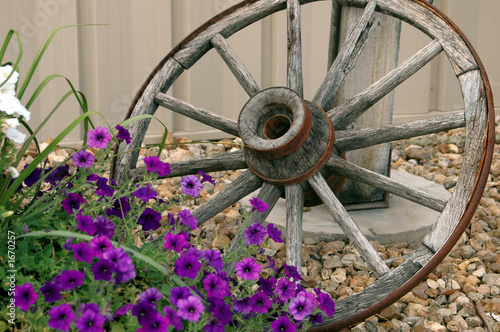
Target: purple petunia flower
{"x":152,"y":295}
{"x":124,"y":276}
{"x":274,"y":233}
{"x":61,"y":317}
{"x":69,"y":279}
{"x":191,"y":185}
{"x":302,"y":305}
{"x":88,"y":306}
{"x":292,"y":272}
{"x":25,"y":296}
{"x":285,"y":289}
{"x":119,"y":208}
{"x":144,"y":312}
{"x":103,"y":189}
{"x":206,"y":178}
{"x":145,"y":193}
{"x":104,"y":227}
{"x":99,"y":138}
{"x":72,"y":203}
{"x":103,"y":269}
{"x":196,"y":253}
{"x":283,"y":324}
{"x":68,"y":243}
{"x":123,"y":134}
{"x":33,"y":177}
{"x":158,"y":323}
{"x":248,"y":269}
{"x":242,"y":306}
{"x":190,"y":308}
{"x":214,"y":259}
{"x":51,"y":292}
{"x":215,"y":286}
{"x":90,"y":321}
{"x":99,"y":245}
{"x":255,"y":234}
{"x":267,"y":285}
{"x":187,"y":266}
{"x":151,"y":163}
{"x":120,"y":258}
{"x":178,"y":293}
{"x":187,"y":219}
{"x":260,"y":302}
{"x":123,"y":309}
{"x":316,"y":319}
{"x":271,"y":264}
{"x":175,"y":242}
{"x":85,"y":224}
{"x":326,"y":303}
{"x":149,"y":219}
{"x":83,"y":159}
{"x":172,"y":316}
{"x":258,"y":205}
{"x":56,"y":175}
{"x":221,"y":311}
{"x":214,"y":326}
{"x":163,"y":169}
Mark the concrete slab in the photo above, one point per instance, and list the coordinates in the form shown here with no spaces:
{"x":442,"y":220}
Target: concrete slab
{"x":402,"y":221}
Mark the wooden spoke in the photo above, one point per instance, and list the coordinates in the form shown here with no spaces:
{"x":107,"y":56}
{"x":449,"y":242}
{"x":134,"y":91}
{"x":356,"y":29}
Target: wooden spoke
{"x":345,"y":114}
{"x":294,"y":69}
{"x":352,"y":171}
{"x":213,"y":120}
{"x":267,"y":193}
{"x":223,"y":162}
{"x":347,"y":56}
{"x":334,"y":32}
{"x":236,"y":190}
{"x":235,"y":65}
{"x":294,"y":207}
{"x":348,"y":226}
{"x":348,"y":140}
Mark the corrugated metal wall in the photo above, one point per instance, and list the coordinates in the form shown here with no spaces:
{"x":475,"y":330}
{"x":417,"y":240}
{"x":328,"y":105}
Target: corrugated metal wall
{"x":109,"y":62}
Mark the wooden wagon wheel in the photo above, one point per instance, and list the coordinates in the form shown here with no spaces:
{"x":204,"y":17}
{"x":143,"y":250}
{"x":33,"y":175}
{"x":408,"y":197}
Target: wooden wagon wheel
{"x":279,"y":127}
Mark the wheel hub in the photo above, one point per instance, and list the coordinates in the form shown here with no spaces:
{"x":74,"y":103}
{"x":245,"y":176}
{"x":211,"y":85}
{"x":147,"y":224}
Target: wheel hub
{"x":287,"y":139}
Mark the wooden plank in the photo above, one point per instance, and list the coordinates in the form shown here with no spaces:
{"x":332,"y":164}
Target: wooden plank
{"x":345,"y":114}
{"x":344,"y":168}
{"x":235,"y":64}
{"x":346,"y":58}
{"x":348,"y":226}
{"x":211,"y":119}
{"x":128,"y":153}
{"x":267,"y":193}
{"x":348,"y":140}
{"x":236,"y":190}
{"x":476,"y":117}
{"x":294,"y":62}
{"x":430,"y":23}
{"x":294,"y":195}
{"x":223,"y":162}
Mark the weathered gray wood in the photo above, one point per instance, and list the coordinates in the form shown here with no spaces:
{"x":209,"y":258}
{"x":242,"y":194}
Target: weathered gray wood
{"x":348,"y":140}
{"x":223,"y":162}
{"x":345,"y":114}
{"x":333,"y":42}
{"x":128,"y":153}
{"x":346,"y":58}
{"x":476,"y":117}
{"x":294,"y":67}
{"x":430,"y":23}
{"x":235,"y":64}
{"x":348,"y":226}
{"x":211,"y":119}
{"x":236,"y":190}
{"x":342,"y":167}
{"x":381,"y":288}
{"x":267,"y":193}
{"x":294,"y":208}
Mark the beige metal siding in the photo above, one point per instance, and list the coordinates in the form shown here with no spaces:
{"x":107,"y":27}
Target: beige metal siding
{"x":110,"y":62}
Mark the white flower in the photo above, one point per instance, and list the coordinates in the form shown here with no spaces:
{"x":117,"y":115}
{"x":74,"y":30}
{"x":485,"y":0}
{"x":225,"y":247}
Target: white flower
{"x":8,"y":89}
{"x":10,"y":105}
{"x":5,"y":72}
{"x":12,"y":122}
{"x":13,"y":172}
{"x":15,"y":135}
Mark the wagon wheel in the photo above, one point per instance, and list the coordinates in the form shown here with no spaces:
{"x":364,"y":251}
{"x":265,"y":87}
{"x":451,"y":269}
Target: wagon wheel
{"x":279,"y":128}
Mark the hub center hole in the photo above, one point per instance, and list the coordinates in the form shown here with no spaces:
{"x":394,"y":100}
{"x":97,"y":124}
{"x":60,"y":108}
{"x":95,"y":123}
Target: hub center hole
{"x":276,"y":126}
